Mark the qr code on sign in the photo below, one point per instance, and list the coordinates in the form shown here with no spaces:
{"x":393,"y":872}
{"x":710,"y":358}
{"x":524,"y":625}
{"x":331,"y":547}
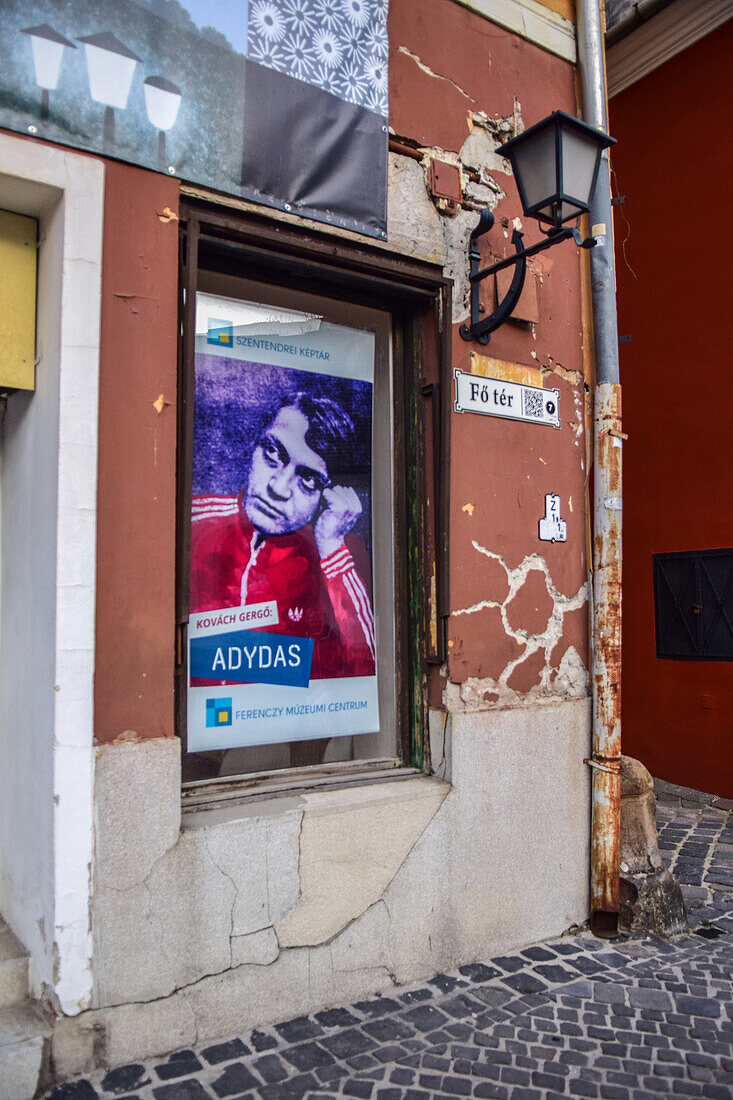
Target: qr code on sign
{"x":533,"y":404}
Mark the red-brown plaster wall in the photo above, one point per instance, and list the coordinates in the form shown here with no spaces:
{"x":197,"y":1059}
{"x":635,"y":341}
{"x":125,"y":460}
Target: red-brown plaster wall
{"x":503,"y":469}
{"x":672,"y":162}
{"x":476,"y":66}
{"x":133,"y":686}
{"x":500,"y":470}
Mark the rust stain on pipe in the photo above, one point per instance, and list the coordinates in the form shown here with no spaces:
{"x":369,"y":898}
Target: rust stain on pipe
{"x":606,"y":759}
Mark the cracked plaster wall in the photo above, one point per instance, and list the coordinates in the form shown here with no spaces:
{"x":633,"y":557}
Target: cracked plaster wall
{"x":209,"y":925}
{"x":518,"y":629}
{"x":540,"y":625}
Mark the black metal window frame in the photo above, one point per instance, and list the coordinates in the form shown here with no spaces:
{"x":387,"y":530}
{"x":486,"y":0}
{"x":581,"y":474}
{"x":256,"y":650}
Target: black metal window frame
{"x":418,"y":297}
{"x":693,"y":605}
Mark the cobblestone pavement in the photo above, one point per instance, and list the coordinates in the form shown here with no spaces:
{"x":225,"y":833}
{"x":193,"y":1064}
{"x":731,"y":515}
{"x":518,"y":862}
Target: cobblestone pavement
{"x":574,"y":1017}
{"x":695,"y":842}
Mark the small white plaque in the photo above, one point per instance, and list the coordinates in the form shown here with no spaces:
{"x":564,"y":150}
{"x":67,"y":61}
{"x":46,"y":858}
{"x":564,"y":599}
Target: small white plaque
{"x":552,"y":528}
{"x":510,"y":400}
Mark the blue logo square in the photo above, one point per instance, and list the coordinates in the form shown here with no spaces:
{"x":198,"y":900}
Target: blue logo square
{"x":218,"y":712}
{"x":220,"y":333}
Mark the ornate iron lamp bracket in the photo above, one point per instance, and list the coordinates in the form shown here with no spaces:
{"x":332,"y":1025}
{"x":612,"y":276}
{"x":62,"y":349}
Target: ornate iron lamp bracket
{"x":480,"y":329}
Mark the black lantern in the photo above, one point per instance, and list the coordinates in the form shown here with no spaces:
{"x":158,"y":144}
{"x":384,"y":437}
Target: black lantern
{"x":555,"y":164}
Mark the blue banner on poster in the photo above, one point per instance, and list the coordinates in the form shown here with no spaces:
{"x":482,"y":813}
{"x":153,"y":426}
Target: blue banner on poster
{"x":251,"y":657}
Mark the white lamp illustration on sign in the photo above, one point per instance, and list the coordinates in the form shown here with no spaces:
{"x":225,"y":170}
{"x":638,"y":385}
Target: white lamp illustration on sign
{"x":110,"y":67}
{"x":162,"y":100}
{"x":552,"y":528}
{"x":47,"y":46}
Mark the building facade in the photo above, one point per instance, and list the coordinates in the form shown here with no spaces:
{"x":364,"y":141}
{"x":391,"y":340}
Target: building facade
{"x":168,"y":889}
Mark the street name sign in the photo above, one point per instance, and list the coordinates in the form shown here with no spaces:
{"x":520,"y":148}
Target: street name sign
{"x":510,"y":400}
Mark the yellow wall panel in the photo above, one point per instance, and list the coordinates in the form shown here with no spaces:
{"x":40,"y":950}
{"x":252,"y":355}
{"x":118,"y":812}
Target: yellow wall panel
{"x":18,"y":236}
{"x":565,"y":8}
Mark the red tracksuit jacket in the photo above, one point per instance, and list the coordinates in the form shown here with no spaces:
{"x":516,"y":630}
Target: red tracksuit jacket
{"x":329,"y":601}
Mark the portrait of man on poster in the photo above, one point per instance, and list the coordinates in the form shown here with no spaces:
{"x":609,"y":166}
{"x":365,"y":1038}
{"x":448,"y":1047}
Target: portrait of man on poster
{"x":288,"y":536}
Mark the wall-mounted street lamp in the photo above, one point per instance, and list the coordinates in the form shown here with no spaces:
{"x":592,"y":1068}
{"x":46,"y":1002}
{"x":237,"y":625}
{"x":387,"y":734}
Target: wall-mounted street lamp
{"x":162,"y":100}
{"x":47,"y":46}
{"x":110,"y":67}
{"x":555,"y":164}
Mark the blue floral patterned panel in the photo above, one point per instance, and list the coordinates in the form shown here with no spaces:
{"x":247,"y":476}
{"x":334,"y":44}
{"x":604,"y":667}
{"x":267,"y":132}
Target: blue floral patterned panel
{"x":337,"y":45}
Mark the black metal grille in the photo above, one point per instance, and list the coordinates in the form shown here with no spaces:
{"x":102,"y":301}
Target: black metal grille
{"x":693,"y":605}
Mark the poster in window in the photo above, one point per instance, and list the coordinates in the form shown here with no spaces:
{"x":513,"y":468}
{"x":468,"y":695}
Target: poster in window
{"x":282,"y":641}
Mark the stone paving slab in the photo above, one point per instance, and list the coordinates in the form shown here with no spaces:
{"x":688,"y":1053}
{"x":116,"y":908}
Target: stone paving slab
{"x":574,"y":1017}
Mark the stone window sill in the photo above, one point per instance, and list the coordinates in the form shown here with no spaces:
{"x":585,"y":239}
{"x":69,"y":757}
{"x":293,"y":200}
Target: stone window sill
{"x":216,"y":801}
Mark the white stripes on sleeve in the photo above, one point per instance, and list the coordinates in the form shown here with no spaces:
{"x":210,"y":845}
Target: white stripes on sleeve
{"x":340,"y":564}
{"x":210,"y":506}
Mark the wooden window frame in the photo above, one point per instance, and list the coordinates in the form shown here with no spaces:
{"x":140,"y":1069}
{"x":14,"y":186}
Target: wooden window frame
{"x":418,"y":297}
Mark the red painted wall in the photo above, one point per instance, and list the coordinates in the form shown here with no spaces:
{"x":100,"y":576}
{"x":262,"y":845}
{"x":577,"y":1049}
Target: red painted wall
{"x":133,"y":682}
{"x":503,"y":469}
{"x":673,"y":162}
{"x":445,"y":64}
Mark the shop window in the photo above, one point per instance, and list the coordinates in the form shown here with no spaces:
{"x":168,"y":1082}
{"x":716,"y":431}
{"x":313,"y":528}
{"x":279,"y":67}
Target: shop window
{"x":693,"y":605}
{"x":311,"y":506}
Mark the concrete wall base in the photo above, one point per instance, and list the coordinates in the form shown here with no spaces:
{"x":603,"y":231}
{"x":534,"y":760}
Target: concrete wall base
{"x":209,"y":926}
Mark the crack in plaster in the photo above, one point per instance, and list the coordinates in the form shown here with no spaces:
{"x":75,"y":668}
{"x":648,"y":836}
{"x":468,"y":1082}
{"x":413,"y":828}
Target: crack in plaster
{"x":267,"y":873}
{"x":329,"y":940}
{"x":355,"y":969}
{"x":156,"y":920}
{"x":253,"y":932}
{"x":300,"y":877}
{"x":472,"y":691}
{"x":437,"y":76}
{"x":234,"y":896}
{"x":182,"y":989}
{"x":402,"y":864}
{"x":187,"y":986}
{"x":390,"y":941}
{"x":575,"y":377}
{"x":390,"y":968}
{"x":253,"y":961}
{"x":442,"y":763}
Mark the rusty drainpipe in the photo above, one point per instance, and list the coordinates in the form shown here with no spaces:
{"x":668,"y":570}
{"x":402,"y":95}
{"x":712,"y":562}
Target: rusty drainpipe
{"x":607,"y":448}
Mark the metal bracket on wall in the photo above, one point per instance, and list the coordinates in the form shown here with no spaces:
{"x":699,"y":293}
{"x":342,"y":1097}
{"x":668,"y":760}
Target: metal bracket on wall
{"x":481,"y":329}
{"x":612,"y":765}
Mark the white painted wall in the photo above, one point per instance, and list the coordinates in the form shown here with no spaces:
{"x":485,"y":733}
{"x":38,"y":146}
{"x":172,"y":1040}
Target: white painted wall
{"x":47,"y":578}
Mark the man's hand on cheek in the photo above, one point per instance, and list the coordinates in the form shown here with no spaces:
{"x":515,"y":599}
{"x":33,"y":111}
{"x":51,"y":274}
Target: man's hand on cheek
{"x":342,"y":510}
